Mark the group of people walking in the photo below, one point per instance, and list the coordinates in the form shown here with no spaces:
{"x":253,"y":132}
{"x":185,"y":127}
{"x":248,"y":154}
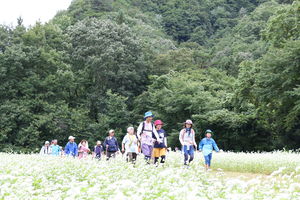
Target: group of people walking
{"x":150,"y":140}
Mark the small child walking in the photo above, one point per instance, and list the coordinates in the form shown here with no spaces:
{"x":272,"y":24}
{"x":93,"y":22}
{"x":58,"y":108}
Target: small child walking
{"x":187,"y":140}
{"x":160,"y":148}
{"x":98,"y":149}
{"x":130,"y":145}
{"x":207,"y":145}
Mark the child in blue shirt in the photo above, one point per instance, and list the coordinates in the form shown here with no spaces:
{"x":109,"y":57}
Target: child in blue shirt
{"x":207,"y":145}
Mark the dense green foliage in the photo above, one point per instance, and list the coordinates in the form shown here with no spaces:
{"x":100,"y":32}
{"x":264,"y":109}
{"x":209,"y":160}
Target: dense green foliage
{"x":231,"y":66}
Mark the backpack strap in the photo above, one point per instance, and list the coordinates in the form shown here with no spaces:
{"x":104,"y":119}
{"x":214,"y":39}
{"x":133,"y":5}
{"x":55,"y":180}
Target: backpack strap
{"x":143,"y":127}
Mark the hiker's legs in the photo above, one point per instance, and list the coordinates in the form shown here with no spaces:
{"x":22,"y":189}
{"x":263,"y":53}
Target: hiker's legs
{"x":191,"y":153}
{"x":133,"y":157}
{"x":147,"y":151}
{"x":186,"y":155}
{"x":209,"y":159}
{"x":163,"y":158}
{"x":98,"y":157}
{"x":156,"y":154}
{"x":207,"y":162}
{"x":163,"y":155}
{"x":129,"y":157}
{"x":110,"y":154}
{"x":113,"y":155}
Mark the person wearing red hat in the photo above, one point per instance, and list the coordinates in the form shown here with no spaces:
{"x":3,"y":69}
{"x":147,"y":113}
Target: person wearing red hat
{"x":187,"y":140}
{"x":160,"y":148}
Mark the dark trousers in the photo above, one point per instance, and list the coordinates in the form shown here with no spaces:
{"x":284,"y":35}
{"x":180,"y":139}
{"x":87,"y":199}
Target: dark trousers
{"x":110,"y":154}
{"x":131,"y":157}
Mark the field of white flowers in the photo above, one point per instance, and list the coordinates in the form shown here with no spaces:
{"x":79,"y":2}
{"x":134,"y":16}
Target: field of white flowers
{"x":274,"y":176}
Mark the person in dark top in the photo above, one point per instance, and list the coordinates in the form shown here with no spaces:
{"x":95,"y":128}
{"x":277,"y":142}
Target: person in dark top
{"x":160,"y":148}
{"x":98,"y":149}
{"x":111,"y":145}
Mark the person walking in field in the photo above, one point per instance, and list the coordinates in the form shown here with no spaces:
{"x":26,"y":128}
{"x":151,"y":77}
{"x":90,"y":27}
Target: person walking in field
{"x":207,"y":145}
{"x":160,"y":149}
{"x":46,"y":149}
{"x":130,"y":145}
{"x":83,"y":149}
{"x":71,"y":148}
{"x":111,"y":145}
{"x":187,"y":140}
{"x":145,"y":132}
{"x":55,"y":148}
{"x":98,"y":149}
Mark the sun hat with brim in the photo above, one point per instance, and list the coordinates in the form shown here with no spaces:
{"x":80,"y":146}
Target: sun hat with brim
{"x":208,"y":131}
{"x":188,"y":122}
{"x":148,"y":114}
{"x":47,"y":142}
{"x":71,"y":137}
{"x":158,"y":122}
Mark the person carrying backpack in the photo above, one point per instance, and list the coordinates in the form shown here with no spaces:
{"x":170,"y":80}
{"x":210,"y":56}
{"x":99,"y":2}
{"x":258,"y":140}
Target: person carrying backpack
{"x":111,"y":145}
{"x":187,"y":140}
{"x":145,"y":132}
{"x":207,"y":145}
{"x":160,"y":148}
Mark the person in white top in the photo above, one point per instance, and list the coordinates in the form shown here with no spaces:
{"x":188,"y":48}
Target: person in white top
{"x":129,"y":145}
{"x":147,"y":134}
{"x":187,"y":140}
{"x":46,"y":149}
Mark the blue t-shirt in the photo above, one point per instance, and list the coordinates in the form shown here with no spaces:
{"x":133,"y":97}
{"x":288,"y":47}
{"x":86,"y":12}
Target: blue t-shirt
{"x":162,"y":135}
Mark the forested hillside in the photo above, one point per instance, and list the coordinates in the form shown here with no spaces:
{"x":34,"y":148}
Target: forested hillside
{"x":232,"y":66}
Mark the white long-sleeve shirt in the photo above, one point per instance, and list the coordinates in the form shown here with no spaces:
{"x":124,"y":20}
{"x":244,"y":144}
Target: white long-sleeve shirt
{"x":146,"y":135}
{"x":46,"y":150}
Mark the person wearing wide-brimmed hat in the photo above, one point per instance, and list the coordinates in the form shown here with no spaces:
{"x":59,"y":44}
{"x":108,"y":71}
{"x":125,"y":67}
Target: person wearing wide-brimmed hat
{"x":71,"y":148}
{"x":146,"y":133}
{"x":187,"y":140}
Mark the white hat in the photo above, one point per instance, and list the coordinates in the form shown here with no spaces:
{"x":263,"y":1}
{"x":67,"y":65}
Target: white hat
{"x":47,"y":142}
{"x":110,"y":131}
{"x":71,"y":137}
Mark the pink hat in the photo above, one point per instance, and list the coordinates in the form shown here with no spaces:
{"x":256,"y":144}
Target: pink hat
{"x":158,"y":122}
{"x":188,"y":122}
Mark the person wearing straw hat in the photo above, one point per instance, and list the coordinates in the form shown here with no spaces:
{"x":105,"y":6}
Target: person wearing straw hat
{"x":147,"y":134}
{"x":207,"y":145}
{"x":71,"y":148}
{"x":187,"y":140}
